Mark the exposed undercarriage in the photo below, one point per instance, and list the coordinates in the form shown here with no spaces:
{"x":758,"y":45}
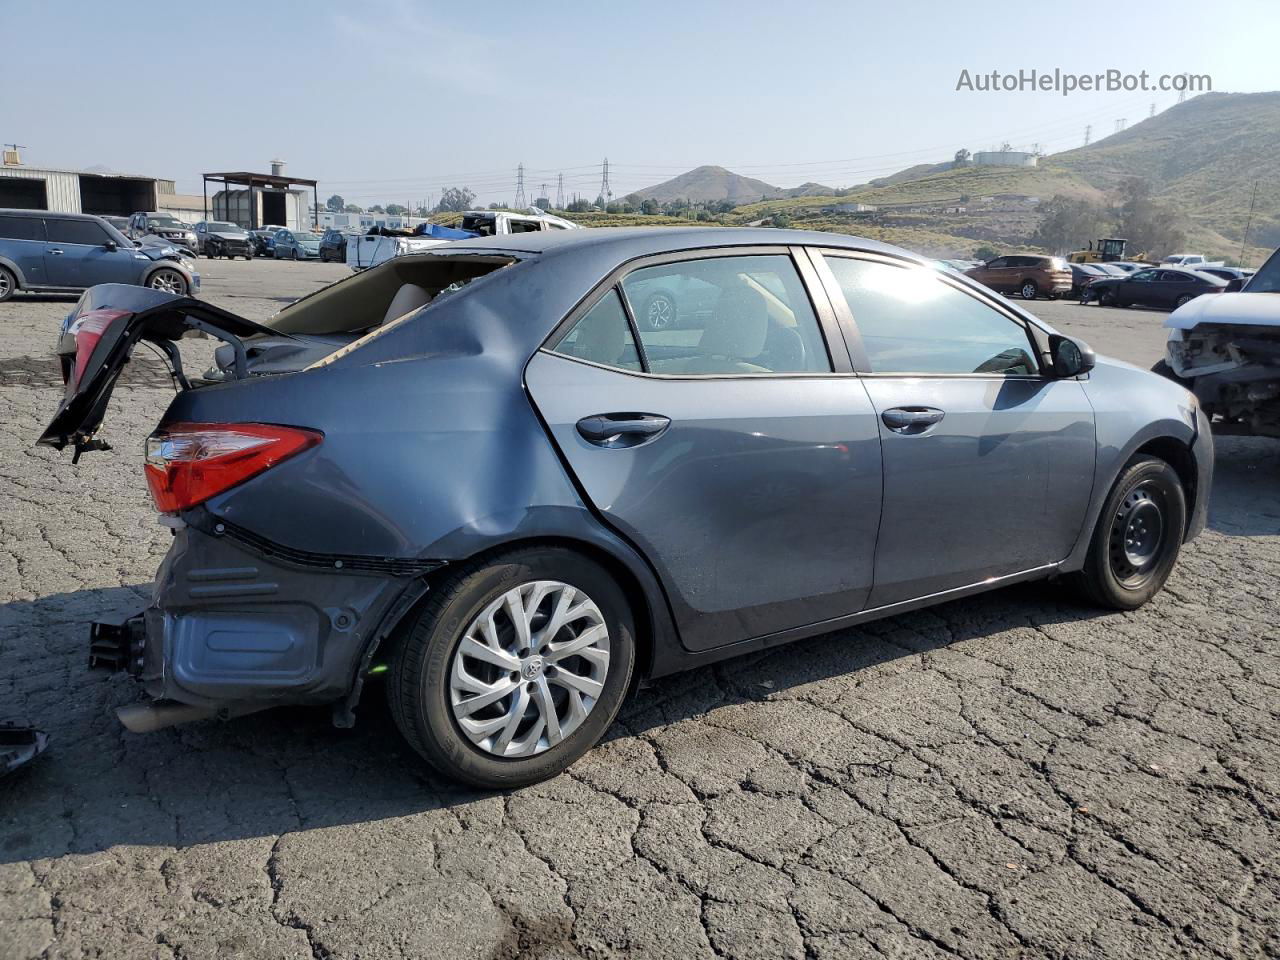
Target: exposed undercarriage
{"x":1234,"y":370}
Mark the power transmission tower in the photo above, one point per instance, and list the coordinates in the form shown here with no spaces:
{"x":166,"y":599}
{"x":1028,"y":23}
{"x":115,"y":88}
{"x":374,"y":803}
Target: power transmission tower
{"x":1088,"y":133}
{"x":1182,"y":94}
{"x":521,"y":201}
{"x":1120,"y":124}
{"x":542,"y":192}
{"x":560,"y":192}
{"x":605,"y":192}
{"x":1152,"y":113}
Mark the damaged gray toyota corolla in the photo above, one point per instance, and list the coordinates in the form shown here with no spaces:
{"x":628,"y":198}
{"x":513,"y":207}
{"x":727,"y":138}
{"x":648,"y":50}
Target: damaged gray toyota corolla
{"x":488,"y":471}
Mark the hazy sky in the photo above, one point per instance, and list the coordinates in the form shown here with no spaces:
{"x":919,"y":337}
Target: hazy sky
{"x":388,"y":102}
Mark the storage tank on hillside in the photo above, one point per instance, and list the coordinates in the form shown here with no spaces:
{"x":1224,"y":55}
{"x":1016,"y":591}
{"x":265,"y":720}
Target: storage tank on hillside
{"x":1004,"y":158}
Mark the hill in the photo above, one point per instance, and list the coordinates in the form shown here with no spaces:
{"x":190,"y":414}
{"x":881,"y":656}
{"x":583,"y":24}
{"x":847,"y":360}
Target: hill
{"x":1204,"y":154}
{"x":709,"y":184}
{"x":911,"y":173}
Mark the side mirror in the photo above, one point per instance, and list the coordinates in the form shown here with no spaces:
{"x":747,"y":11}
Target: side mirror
{"x":111,"y":246}
{"x":1234,"y":285}
{"x":1071,"y":357}
{"x":137,"y":243}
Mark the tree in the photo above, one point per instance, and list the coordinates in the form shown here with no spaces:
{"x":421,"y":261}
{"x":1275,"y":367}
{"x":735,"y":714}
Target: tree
{"x":456,"y":200}
{"x":649,"y":207}
{"x":335,"y":204}
{"x":1153,"y":228}
{"x":1066,"y":223}
{"x":780,"y":220}
{"x":353,"y":208}
{"x":986,"y":252}
{"x":580,"y":205}
{"x":396,"y":210}
{"x":377,"y":208}
{"x":962,"y":158}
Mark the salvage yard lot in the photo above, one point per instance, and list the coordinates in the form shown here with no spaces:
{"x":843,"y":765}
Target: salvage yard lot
{"x":1011,"y":775}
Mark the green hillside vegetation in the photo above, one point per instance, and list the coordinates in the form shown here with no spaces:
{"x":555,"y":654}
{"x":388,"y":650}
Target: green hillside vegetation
{"x":1204,"y":155}
{"x":707,"y":184}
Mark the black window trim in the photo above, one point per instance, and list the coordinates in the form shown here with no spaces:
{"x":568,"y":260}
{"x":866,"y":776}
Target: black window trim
{"x":814,"y":290}
{"x":1037,"y":337}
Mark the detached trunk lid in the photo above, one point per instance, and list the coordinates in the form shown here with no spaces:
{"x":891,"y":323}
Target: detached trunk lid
{"x":99,"y":337}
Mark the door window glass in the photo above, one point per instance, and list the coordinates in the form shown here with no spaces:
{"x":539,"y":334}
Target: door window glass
{"x":725,"y":315}
{"x":602,"y":336}
{"x":75,"y":231}
{"x":21,"y":228}
{"x":913,"y":322}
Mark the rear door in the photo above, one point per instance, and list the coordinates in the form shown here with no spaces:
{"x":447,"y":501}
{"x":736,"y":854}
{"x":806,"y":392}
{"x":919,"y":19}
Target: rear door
{"x":988,"y":463}
{"x":22,"y":241}
{"x":735,"y":451}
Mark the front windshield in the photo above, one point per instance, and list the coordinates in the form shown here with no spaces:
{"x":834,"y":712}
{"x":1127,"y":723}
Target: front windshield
{"x":165,"y":222}
{"x":1267,"y":279}
{"x":225,"y":228}
{"x":307,"y":237}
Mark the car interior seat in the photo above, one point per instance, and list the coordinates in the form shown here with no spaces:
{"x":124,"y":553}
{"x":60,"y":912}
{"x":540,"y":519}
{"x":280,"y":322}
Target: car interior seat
{"x":409,"y":297}
{"x":735,"y":334}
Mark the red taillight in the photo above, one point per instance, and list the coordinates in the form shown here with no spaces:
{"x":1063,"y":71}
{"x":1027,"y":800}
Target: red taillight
{"x":87,"y":330}
{"x":188,"y":463}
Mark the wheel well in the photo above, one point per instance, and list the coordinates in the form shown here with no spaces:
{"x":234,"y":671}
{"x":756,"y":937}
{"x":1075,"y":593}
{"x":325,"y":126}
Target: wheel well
{"x":1178,"y":455}
{"x":636,"y":599}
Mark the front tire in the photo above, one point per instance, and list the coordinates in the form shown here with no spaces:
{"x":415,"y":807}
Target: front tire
{"x":170,"y":281}
{"x":514,"y":668}
{"x":8,"y":284}
{"x":1137,"y":538}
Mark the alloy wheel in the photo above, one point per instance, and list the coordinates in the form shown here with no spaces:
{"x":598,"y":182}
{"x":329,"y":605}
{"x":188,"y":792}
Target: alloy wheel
{"x":1028,"y":291}
{"x":6,"y":287}
{"x":1137,"y":535}
{"x":166,"y":280}
{"x":529,"y":669}
{"x":661,"y":313}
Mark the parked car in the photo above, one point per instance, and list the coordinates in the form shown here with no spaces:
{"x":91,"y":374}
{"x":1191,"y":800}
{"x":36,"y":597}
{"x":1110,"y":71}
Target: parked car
{"x":120,"y":223}
{"x":1129,"y":266}
{"x":164,"y":225}
{"x":1154,"y":288}
{"x":1083,"y":274}
{"x":264,"y":240}
{"x":215,"y":238}
{"x":1226,"y":350}
{"x":333,"y":246}
{"x":1027,"y":275}
{"x":1228,"y":274}
{"x":381,"y":244}
{"x":482,"y":482}
{"x":60,"y":252}
{"x":1192,"y":261}
{"x":296,"y":245}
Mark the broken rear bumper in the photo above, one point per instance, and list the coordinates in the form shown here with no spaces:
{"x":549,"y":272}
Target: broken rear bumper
{"x":237,"y":625}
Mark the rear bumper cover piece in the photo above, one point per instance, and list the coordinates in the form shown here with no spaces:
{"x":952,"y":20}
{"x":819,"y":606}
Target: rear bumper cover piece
{"x":233,"y":628}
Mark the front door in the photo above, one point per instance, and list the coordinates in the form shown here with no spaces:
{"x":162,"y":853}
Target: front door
{"x":77,"y":255}
{"x":988,"y":464}
{"x":732,"y":450}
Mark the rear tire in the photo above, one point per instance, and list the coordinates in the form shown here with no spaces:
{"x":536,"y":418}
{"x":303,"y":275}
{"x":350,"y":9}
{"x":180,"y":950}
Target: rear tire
{"x":428,"y":666}
{"x":1137,"y":538}
{"x":8,"y":284}
{"x":1029,"y":290}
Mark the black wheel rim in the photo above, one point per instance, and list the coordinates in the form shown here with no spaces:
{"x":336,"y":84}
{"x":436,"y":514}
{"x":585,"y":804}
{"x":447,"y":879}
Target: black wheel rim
{"x":1137,"y":535}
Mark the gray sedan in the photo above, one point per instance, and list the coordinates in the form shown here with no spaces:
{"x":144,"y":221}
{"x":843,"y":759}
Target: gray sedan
{"x":297,"y":245}
{"x":476,"y":475}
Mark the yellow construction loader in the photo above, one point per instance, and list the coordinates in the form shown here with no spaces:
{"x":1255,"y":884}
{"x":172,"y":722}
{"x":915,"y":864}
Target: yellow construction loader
{"x":1106,"y":250}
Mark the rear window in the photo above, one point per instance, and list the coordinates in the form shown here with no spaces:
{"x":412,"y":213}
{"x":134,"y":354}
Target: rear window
{"x":1267,"y":279}
{"x":75,"y":231}
{"x":21,"y":228}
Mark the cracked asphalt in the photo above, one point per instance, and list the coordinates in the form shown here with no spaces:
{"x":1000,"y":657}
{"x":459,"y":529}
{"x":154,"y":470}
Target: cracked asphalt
{"x":1015,"y":775}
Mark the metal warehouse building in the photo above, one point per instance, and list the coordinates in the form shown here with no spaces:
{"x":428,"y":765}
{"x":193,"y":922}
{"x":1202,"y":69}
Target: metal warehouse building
{"x":78,"y":191}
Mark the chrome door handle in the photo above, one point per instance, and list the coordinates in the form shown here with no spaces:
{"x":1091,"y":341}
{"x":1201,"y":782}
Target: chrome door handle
{"x":911,"y":420}
{"x":622,"y":429}
{"x":56,"y":253}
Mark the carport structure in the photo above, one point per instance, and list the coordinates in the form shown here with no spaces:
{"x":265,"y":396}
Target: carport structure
{"x":268,"y":187}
